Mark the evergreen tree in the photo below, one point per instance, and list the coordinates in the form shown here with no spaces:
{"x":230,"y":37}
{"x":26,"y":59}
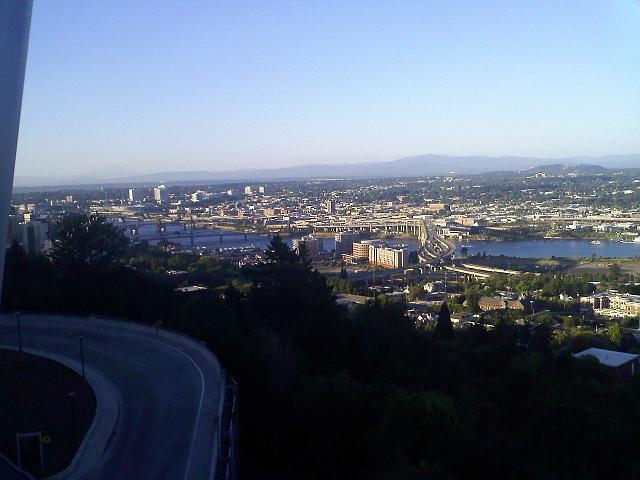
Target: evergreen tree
{"x":279,"y":252}
{"x":444,"y":327}
{"x":343,"y":272}
{"x":87,"y":241}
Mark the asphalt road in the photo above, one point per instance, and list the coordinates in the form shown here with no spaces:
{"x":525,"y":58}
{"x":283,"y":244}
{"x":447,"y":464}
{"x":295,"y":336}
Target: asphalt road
{"x":158,"y":396}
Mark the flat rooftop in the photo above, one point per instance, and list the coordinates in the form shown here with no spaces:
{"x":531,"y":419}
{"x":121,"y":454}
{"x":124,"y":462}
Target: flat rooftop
{"x":610,"y":358}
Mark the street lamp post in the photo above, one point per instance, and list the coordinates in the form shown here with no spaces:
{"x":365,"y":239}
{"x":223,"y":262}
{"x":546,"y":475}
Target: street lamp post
{"x":533,"y":312}
{"x":74,"y":426}
{"x":80,"y":337}
{"x":19,"y":332}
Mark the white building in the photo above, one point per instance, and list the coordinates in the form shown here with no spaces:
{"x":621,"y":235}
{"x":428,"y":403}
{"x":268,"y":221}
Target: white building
{"x":198,"y":196}
{"x":135,"y":195}
{"x":388,"y":257}
{"x":614,"y":304}
{"x":160,"y":194}
{"x":330,"y":207}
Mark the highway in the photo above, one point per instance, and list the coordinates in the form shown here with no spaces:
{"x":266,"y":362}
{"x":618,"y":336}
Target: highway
{"x":158,"y":396}
{"x":428,"y":253}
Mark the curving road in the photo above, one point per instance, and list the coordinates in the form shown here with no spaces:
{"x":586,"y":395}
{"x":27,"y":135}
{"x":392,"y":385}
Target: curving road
{"x":435,"y":255}
{"x":158,"y":395}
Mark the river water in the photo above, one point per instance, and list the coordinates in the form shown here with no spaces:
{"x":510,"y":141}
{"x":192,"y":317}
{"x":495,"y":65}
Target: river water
{"x":551,"y":248}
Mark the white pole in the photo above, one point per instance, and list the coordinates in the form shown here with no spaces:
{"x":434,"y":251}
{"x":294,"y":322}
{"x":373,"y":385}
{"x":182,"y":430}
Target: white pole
{"x":15,"y":20}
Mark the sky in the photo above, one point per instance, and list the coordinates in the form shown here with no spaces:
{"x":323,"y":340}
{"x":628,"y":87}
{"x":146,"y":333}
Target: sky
{"x":155,"y":85}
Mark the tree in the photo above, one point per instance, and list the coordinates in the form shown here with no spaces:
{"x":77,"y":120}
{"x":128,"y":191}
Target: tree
{"x":415,"y":291}
{"x":615,"y":334}
{"x":89,"y":241}
{"x":472,"y":300}
{"x":444,"y":327}
{"x":16,"y":256}
{"x":343,"y":272}
{"x":279,"y":252}
{"x":615,"y":271}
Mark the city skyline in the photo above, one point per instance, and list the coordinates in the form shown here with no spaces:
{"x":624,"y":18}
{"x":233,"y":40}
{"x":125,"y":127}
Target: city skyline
{"x":224,"y":86}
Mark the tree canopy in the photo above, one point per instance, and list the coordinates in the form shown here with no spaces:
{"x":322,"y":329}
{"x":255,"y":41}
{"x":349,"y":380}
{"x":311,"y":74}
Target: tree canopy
{"x":89,"y":241}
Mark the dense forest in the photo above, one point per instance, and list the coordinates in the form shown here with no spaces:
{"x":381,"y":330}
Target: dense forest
{"x":327,"y":393}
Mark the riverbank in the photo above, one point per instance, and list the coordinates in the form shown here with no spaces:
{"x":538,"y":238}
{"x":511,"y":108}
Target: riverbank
{"x":576,"y":266}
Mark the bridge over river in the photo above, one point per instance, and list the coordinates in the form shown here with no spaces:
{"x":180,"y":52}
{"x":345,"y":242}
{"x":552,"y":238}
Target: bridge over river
{"x":146,"y":231}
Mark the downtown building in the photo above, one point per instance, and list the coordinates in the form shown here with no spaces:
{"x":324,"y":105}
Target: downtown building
{"x":136,"y":195}
{"x":160,"y":194}
{"x":330,"y":207}
{"x":388,"y":257}
{"x":360,"y":250}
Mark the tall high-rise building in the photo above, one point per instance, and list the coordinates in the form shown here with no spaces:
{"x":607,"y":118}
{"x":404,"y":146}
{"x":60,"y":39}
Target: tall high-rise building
{"x":261,"y":190}
{"x":248,"y":190}
{"x":135,"y":195}
{"x":161,"y":194}
{"x":330,"y":207}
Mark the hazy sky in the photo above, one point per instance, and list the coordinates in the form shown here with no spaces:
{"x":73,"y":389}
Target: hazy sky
{"x":184,"y":85}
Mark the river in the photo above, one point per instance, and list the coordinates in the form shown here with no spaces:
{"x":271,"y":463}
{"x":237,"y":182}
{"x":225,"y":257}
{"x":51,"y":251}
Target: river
{"x":551,"y":248}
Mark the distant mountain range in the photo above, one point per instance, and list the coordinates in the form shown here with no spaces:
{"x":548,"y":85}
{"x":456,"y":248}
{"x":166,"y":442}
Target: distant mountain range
{"x":420,"y":165}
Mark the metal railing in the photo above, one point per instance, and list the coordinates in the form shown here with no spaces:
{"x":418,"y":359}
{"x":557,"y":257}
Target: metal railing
{"x":227,"y":467}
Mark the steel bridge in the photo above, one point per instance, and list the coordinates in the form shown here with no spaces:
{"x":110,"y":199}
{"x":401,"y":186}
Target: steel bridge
{"x":190,"y":232}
